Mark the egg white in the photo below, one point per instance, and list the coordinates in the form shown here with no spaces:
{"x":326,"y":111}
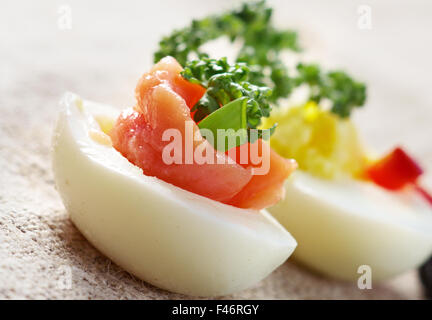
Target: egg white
{"x":342,"y":225}
{"x":169,"y":237}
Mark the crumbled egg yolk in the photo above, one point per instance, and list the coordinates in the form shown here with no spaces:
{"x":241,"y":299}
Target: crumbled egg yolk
{"x":322,"y":143}
{"x":100,"y":137}
{"x":105,"y":123}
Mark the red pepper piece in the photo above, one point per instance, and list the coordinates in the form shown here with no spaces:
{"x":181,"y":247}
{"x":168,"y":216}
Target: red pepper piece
{"x":395,"y":170}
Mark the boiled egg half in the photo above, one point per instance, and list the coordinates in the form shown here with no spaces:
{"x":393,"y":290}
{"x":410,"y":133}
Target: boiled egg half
{"x":169,"y":237}
{"x":344,"y":225}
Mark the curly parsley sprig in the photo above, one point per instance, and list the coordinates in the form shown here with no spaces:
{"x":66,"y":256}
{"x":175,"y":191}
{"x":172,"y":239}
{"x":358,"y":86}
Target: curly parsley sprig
{"x":336,"y":86}
{"x":251,"y":23}
{"x":261,"y":48}
{"x":226,"y":84}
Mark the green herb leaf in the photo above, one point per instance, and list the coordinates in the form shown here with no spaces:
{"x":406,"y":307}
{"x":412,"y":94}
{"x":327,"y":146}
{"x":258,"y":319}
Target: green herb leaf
{"x":262,"y":45}
{"x":229,"y":126}
{"x":250,"y":23}
{"x":231,"y":121}
{"x":337,"y":86}
{"x":226,"y":83}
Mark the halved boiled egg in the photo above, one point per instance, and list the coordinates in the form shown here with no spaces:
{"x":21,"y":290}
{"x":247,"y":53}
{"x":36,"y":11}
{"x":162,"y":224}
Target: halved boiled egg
{"x":169,"y":237}
{"x":342,"y":225}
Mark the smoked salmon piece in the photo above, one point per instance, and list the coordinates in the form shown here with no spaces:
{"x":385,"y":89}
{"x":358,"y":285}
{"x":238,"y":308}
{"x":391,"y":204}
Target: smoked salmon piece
{"x":263,"y":190}
{"x":167,"y":72}
{"x":164,"y":99}
{"x":138,"y":135}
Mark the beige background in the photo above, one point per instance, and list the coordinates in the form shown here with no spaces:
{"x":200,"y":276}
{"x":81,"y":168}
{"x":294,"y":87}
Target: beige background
{"x":101,"y":58}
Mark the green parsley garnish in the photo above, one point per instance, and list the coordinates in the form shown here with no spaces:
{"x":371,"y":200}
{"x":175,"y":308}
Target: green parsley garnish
{"x":260,"y":51}
{"x":228,"y":89}
{"x":337,"y":86}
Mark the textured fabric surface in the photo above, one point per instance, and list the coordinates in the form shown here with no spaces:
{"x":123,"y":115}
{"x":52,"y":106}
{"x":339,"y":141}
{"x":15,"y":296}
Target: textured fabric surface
{"x":101,"y":58}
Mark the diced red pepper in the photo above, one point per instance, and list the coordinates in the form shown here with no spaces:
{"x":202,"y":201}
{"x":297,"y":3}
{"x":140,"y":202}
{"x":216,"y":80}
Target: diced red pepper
{"x":395,"y":170}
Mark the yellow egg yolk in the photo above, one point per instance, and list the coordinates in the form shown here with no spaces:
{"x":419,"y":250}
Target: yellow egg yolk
{"x":323,"y":144}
